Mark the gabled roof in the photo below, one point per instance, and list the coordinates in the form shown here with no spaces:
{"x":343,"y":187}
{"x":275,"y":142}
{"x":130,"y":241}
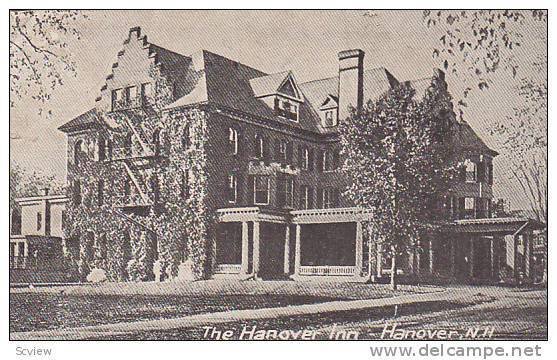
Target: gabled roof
{"x":376,"y":82}
{"x":84,"y":121}
{"x":465,"y":138}
{"x":329,"y":103}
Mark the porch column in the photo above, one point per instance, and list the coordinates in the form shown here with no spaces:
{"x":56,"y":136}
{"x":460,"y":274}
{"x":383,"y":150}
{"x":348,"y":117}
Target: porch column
{"x":492,"y":256}
{"x":515,"y":256}
{"x":528,"y":255}
{"x":245,"y":248}
{"x":453,"y":257}
{"x":298,"y":250}
{"x":359,"y":249}
{"x":418,"y":260}
{"x":431,"y":255}
{"x":471,"y":258}
{"x":379,"y":260}
{"x":287,"y":250}
{"x":255,"y":247}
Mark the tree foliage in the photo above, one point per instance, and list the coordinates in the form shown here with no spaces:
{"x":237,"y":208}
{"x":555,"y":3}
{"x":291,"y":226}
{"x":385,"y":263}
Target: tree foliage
{"x":24,"y":182}
{"x":399,"y":163}
{"x":39,"y":55}
{"x":474,"y":44}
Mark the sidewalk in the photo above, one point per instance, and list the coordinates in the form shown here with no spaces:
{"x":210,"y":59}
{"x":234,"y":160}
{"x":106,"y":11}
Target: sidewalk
{"x":199,"y":320}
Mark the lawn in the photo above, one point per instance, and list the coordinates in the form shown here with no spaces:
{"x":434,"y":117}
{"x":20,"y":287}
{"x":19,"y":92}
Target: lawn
{"x":45,"y":308}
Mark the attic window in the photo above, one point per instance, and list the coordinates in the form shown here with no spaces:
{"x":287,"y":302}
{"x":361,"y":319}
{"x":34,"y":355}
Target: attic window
{"x":330,"y":118}
{"x":286,"y":108}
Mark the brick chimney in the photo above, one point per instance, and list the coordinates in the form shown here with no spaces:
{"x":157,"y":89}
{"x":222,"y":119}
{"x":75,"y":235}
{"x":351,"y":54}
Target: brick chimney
{"x":350,"y":81}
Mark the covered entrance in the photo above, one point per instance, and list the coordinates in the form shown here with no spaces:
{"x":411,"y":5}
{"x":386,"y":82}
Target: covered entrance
{"x":253,"y":243}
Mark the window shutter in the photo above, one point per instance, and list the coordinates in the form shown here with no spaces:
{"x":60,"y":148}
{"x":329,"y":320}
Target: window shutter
{"x":310,"y":197}
{"x":310,"y":160}
{"x":289,"y":153}
{"x":300,"y":156}
{"x":490,"y":179}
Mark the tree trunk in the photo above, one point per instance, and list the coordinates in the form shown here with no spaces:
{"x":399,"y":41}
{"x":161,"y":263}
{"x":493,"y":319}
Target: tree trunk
{"x":394,"y":280}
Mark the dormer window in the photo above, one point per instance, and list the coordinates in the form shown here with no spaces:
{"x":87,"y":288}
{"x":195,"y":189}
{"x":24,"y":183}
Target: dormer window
{"x":280,"y":93}
{"x":329,"y":110}
{"x":286,"y":108}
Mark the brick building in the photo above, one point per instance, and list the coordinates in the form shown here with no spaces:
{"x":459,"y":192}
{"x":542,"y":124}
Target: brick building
{"x":201,"y":157}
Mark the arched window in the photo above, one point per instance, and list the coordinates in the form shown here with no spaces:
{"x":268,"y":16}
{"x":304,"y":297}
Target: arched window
{"x":259,"y":147}
{"x":78,"y":152}
{"x":233,"y":141}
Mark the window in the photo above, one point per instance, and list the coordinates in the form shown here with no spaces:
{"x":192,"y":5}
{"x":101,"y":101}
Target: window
{"x":285,"y":150}
{"x":146,"y":92}
{"x":467,"y":208}
{"x":128,"y":141}
{"x":131,"y":94}
{"x":304,"y":158}
{"x":282,"y":151}
{"x":39,"y":221}
{"x":157,"y":141}
{"x":185,"y":186}
{"x":330,"y":198}
{"x":329,"y":160}
{"x":285,"y":192}
{"x":76,"y":193}
{"x":104,"y":149}
{"x":261,"y":190}
{"x":186,"y":138}
{"x":78,"y":152}
{"x":286,"y":108}
{"x":117,"y":97}
{"x":100,"y":192}
{"x":127,"y":187}
{"x":306,"y":197}
{"x":471,"y":169}
{"x":232,"y":189}
{"x":259,"y":147}
{"x":233,"y":141}
{"x":330,"y":118}
{"x":155,"y":189}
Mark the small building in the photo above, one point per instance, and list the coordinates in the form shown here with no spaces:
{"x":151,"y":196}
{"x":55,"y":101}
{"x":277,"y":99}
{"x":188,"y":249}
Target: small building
{"x":36,"y":236}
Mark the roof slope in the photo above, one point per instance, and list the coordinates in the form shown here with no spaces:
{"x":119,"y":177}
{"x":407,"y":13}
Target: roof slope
{"x":465,"y":138}
{"x":86,"y":120}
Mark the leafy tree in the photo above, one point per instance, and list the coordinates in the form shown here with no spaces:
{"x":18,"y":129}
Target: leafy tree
{"x":39,"y":55}
{"x":396,"y":155}
{"x":475,"y":44}
{"x":24,"y":182}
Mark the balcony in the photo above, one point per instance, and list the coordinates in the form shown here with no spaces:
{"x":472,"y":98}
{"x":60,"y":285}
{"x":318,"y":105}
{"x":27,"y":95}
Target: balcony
{"x":260,"y":167}
{"x":132,"y":103}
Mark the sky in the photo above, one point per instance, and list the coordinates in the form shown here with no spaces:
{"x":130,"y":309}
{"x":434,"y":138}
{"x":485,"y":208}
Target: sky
{"x":306,"y":42}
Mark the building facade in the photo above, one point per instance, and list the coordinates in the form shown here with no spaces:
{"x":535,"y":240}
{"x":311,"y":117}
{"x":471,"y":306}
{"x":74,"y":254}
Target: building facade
{"x":204,"y":161}
{"x":36,"y":234}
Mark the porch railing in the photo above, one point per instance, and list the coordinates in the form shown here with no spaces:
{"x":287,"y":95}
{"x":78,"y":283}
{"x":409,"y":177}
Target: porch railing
{"x":228,"y":268}
{"x":328,"y":270}
{"x":31,"y":262}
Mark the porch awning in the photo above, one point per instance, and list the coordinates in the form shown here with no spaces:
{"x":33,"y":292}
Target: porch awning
{"x":240,"y":214}
{"x":332,"y":215}
{"x":501,"y":226}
